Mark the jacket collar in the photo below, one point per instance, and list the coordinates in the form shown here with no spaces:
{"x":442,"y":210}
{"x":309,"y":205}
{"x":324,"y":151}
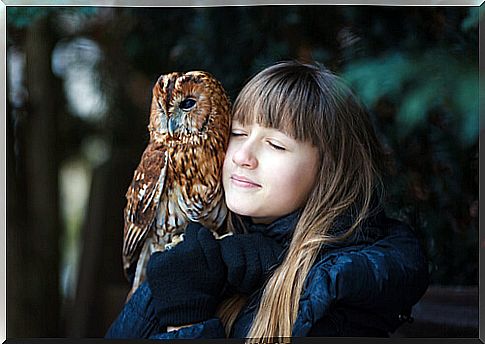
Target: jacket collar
{"x":368,"y":231}
{"x":280,"y":230}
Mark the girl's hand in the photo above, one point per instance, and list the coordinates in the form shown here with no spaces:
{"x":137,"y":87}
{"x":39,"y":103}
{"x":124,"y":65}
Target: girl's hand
{"x":249,"y":258}
{"x":186,"y":281}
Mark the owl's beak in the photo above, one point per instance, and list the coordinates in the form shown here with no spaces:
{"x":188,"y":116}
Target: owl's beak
{"x":173,"y":125}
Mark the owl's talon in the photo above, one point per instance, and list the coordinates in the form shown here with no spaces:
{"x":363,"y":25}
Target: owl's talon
{"x":219,"y":237}
{"x":170,"y":245}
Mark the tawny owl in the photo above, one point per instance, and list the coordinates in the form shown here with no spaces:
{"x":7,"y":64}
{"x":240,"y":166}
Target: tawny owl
{"x":179,"y":176}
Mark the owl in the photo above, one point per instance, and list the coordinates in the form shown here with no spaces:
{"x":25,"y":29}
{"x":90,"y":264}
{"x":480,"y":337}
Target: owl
{"x":179,"y":177}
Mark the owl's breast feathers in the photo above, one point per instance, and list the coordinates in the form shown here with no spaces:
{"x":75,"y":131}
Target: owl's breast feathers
{"x":197,"y":180}
{"x":143,"y":198}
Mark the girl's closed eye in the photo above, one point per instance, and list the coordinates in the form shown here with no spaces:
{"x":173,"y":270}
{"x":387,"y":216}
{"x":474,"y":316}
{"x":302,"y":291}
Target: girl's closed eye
{"x":276,"y":146}
{"x":236,"y":133}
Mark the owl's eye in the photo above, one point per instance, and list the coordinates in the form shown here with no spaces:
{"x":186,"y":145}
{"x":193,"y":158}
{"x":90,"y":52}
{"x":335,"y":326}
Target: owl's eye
{"x":187,"y":104}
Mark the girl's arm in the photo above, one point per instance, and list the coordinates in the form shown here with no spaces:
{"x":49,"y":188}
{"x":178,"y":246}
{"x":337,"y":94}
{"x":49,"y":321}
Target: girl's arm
{"x":209,"y":329}
{"x":175,"y":328}
{"x":138,"y":320}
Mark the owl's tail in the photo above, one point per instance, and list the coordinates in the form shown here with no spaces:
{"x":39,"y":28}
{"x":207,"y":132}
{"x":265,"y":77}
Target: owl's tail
{"x":141,"y":265}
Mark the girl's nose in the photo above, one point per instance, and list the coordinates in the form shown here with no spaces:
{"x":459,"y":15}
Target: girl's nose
{"x":244,"y":155}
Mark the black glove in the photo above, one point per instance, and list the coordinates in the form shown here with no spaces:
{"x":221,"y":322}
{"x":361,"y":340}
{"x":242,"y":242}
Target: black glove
{"x":187,"y":280}
{"x":249,"y":257}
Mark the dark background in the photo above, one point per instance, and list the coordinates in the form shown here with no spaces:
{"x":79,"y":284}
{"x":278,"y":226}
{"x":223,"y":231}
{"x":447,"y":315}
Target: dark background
{"x":78,"y":94}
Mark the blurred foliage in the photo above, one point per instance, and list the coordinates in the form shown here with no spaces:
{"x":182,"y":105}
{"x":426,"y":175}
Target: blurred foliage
{"x":24,"y":16}
{"x":21,"y":17}
{"x":415,"y":68}
{"x":419,"y":83}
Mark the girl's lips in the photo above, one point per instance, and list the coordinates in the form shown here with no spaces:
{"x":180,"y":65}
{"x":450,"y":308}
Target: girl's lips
{"x":244,"y":182}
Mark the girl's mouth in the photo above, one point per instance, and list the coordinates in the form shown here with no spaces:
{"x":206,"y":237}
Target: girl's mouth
{"x":243,"y":182}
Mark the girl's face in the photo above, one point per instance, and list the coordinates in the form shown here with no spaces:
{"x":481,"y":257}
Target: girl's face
{"x":267,"y":174}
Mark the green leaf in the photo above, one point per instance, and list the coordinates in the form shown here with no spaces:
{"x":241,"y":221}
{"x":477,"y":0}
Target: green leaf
{"x":471,"y":21}
{"x":416,"y":105}
{"x":467,"y":103}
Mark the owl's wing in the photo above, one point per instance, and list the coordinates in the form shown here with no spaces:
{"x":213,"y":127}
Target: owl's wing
{"x":143,"y":198}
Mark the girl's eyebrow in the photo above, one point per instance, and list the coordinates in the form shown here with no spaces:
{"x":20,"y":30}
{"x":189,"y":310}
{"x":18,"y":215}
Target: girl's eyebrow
{"x":285,"y":139}
{"x":284,"y":135}
{"x":236,"y":123}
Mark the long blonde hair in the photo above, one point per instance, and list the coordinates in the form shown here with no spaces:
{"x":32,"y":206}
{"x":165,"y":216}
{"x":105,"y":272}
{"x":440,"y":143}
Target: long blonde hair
{"x":311,"y":104}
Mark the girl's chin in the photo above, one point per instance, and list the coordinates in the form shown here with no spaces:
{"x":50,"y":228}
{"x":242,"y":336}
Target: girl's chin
{"x":241,"y":211}
{"x":256,"y":216}
{"x":240,"y":208}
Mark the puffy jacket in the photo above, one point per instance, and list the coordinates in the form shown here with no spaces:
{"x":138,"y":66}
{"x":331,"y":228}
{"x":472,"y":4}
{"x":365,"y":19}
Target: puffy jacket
{"x":363,"y":286}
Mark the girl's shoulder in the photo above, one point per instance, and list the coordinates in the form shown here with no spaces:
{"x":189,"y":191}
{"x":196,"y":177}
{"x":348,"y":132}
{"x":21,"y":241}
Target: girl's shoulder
{"x":365,"y":266}
{"x":381,"y":234}
{"x":387,"y":275}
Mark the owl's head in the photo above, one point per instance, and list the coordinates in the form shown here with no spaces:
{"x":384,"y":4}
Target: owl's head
{"x":187,"y":107}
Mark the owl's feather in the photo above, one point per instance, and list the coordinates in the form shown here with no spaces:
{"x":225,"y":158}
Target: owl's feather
{"x":143,"y":198}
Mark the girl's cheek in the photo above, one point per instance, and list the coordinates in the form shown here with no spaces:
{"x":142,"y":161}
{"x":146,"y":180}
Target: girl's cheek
{"x":227,"y":160}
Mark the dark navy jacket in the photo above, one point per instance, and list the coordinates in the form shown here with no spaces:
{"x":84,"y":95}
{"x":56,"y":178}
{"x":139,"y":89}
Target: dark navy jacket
{"x":365,"y":286}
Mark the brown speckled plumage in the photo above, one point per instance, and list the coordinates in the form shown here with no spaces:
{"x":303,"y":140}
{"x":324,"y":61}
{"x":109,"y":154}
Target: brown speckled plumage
{"x":179,"y":177}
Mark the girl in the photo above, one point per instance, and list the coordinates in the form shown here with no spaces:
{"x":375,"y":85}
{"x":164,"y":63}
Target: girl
{"x":313,"y":253}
